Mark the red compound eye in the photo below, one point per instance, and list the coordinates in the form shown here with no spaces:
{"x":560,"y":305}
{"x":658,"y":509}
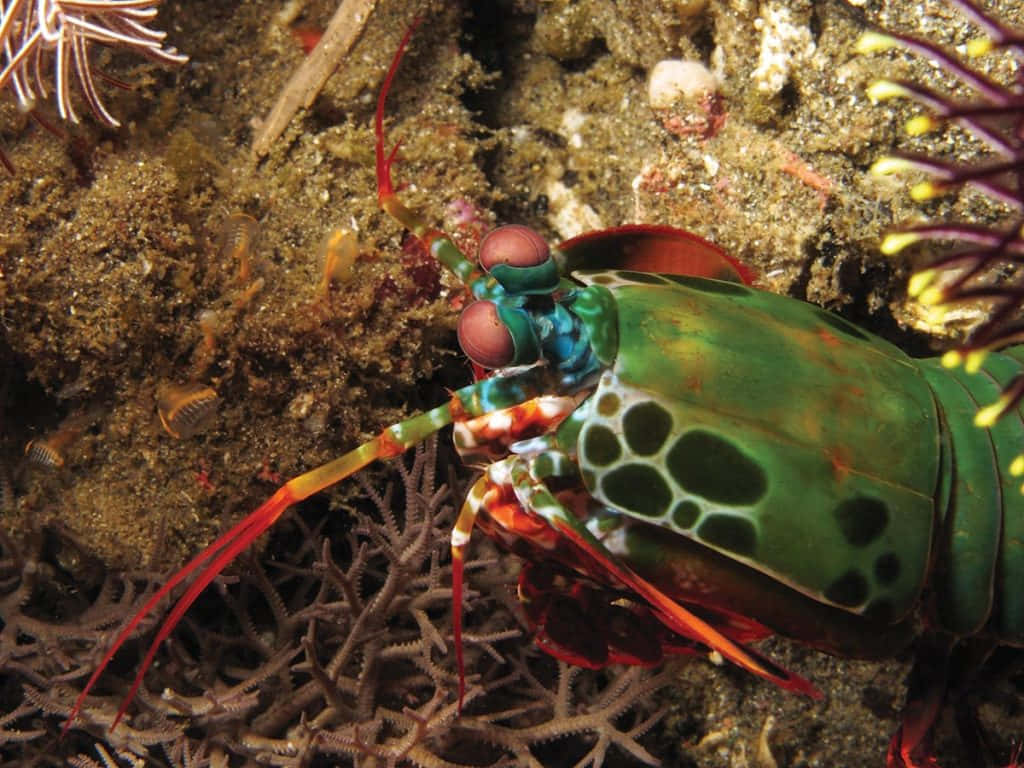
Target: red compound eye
{"x":483,"y":337}
{"x":515,"y":245}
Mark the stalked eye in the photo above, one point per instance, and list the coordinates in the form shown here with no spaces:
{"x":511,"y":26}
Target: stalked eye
{"x":483,"y":337}
{"x":515,"y":245}
{"x":519,"y":259}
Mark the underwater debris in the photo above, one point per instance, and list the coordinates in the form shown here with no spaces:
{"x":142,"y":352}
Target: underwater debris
{"x":49,"y":451}
{"x":185,"y":410}
{"x":44,"y":453}
{"x":301,"y":90}
{"x":785,"y":44}
{"x":236,"y":241}
{"x":339,"y":251}
{"x":210,"y":325}
{"x":674,"y":80}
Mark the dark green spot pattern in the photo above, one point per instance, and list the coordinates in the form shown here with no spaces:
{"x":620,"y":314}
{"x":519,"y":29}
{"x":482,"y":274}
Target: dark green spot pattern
{"x":849,"y":590}
{"x":799,"y":458}
{"x":685,"y":514}
{"x":601,"y":446}
{"x":887,"y":568}
{"x":862,"y":519}
{"x":712,"y":467}
{"x":735,"y":534}
{"x":638,"y":488}
{"x":646,"y":426}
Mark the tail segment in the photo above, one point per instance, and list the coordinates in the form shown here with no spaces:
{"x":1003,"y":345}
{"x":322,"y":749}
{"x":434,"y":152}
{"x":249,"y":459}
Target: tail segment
{"x":980,"y":507}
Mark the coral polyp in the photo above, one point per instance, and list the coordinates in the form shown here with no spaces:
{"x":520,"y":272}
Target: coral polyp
{"x":978,"y":262}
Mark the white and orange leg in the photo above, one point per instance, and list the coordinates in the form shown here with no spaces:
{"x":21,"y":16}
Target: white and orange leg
{"x":494,"y":435}
{"x":521,"y":505}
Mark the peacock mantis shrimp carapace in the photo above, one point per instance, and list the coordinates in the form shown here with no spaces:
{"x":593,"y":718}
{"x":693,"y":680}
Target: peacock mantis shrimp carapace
{"x":688,"y":464}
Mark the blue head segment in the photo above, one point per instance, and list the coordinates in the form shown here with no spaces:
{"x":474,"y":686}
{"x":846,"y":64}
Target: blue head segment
{"x":523,"y":316}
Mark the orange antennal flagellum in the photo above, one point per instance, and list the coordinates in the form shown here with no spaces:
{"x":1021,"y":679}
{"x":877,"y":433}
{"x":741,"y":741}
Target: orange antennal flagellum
{"x":386,"y":197}
{"x":229,"y":544}
{"x":392,"y":442}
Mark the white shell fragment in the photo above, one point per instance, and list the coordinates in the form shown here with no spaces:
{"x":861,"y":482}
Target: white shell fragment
{"x":673,"y":80}
{"x":785,"y":45}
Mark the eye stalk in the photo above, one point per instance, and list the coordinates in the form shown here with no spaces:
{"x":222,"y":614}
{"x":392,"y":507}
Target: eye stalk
{"x":483,"y":337}
{"x":494,"y":336}
{"x":519,"y":259}
{"x":515,"y":245}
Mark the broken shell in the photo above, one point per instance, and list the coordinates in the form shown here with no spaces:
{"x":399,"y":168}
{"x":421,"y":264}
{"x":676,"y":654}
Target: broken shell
{"x":185,"y":410}
{"x":43,"y":454}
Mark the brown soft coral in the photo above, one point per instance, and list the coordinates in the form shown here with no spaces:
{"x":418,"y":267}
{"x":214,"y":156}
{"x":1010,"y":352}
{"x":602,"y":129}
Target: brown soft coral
{"x":334,"y":642}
